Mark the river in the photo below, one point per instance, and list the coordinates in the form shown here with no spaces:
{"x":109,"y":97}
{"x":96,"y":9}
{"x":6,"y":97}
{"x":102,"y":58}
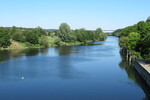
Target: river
{"x":93,"y":72}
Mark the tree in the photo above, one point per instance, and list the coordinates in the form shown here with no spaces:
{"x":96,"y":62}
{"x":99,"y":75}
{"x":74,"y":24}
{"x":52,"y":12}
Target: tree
{"x":80,"y":35}
{"x":51,"y":34}
{"x":99,"y":30}
{"x":103,"y":36}
{"x":138,"y":38}
{"x":72,"y":37}
{"x":145,"y":51}
{"x":39,"y":31}
{"x":64,"y":31}
{"x":148,"y":19}
{"x":43,"y":40}
{"x":4,"y":38}
{"x":13,"y":30}
{"x":57,"y":41}
{"x":123,"y":42}
{"x":117,"y":32}
{"x":18,"y":36}
{"x":31,"y":37}
{"x":143,"y":28}
{"x":133,"y":40}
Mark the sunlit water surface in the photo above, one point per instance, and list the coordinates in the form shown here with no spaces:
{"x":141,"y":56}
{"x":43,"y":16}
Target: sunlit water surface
{"x":93,"y":72}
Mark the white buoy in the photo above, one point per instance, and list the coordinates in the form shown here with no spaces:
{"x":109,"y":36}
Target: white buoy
{"x":22,"y":78}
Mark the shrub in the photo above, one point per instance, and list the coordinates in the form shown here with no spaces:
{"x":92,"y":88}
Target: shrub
{"x":43,"y":40}
{"x":57,"y":41}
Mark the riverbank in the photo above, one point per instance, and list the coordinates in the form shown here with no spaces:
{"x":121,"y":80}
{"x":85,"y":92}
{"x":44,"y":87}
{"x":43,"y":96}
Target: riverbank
{"x":142,"y":67}
{"x":18,"y":45}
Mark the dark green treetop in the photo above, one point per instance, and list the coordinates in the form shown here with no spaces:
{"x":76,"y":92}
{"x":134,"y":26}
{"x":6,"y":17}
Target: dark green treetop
{"x":99,"y":30}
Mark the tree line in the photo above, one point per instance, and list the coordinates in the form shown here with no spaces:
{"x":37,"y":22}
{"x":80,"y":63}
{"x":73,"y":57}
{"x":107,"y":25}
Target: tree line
{"x":136,"y":39}
{"x":39,"y":36}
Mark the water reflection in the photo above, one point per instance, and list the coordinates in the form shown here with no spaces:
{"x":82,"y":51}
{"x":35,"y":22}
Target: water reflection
{"x":4,"y":55}
{"x":66,"y":70}
{"x":124,"y":64}
{"x":64,"y":51}
{"x":18,"y":53}
{"x":34,"y":63}
{"x":51,"y":62}
{"x":134,"y":76}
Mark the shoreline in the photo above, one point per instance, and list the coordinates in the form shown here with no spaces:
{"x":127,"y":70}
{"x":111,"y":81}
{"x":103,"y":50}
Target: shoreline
{"x":34,"y":47}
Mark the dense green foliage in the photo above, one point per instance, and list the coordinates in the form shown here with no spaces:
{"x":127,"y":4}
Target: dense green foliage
{"x":43,"y":40}
{"x":64,"y":32}
{"x":136,"y":39}
{"x":40,"y":37}
{"x":81,"y":35}
{"x":133,"y":40}
{"x":4,"y":38}
{"x":123,"y":42}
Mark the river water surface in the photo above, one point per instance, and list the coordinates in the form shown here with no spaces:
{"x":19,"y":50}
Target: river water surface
{"x":93,"y":72}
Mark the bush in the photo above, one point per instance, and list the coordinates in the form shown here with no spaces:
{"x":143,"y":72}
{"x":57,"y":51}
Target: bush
{"x":31,"y":37}
{"x":18,"y":37}
{"x":57,"y":41}
{"x":123,"y":42}
{"x":137,"y":54}
{"x":43,"y":40}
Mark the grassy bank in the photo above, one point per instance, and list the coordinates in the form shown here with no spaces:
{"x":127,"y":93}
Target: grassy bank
{"x":19,"y":45}
{"x":18,"y":38}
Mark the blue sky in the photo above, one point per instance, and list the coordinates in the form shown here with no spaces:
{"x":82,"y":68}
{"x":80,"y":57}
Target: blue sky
{"x":88,"y":14}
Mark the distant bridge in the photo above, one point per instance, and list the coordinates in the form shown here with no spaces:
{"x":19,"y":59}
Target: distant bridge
{"x":108,"y":31}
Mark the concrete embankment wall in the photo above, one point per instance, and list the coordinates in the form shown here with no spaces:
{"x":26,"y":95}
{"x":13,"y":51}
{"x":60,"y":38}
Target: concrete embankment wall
{"x":144,"y":73}
{"x":138,"y":66}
